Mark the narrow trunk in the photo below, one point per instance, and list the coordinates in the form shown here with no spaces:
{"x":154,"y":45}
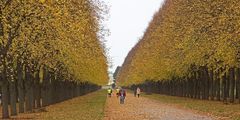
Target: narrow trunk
{"x":206,"y":84}
{"x":37,"y":89}
{"x":13,"y":102}
{"x":31,"y":91}
{"x":211,"y":85}
{"x":232,"y":84}
{"x":12,"y":86}
{"x":5,"y":91}
{"x":48,"y":85}
{"x":50,"y":88}
{"x":28,"y":88}
{"x":219,"y":88}
{"x":5,"y":95}
{"x":195,"y":85}
{"x":224,"y":88}
{"x":44,"y":87}
{"x":191,"y":88}
{"x":20,"y":87}
{"x":238,"y":84}
{"x":227,"y":87}
{"x":200,"y":86}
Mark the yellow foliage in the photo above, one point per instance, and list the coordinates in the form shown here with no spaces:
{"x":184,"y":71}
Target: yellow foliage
{"x":184,"y":33}
{"x":53,"y":33}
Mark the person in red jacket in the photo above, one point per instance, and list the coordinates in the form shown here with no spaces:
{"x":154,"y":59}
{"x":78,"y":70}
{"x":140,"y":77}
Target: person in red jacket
{"x":122,"y":94}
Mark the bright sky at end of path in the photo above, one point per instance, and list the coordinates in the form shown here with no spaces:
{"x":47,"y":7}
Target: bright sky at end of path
{"x":127,"y":23}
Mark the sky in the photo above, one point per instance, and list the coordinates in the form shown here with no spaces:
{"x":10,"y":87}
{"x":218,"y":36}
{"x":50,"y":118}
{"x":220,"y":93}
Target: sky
{"x":127,"y":22}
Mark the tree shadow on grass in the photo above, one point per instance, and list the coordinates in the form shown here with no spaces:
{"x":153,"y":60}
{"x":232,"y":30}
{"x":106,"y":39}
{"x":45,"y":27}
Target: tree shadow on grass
{"x":28,"y":115}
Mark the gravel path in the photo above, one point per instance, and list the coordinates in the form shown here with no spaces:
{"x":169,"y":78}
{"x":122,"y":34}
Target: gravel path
{"x":146,"y":109}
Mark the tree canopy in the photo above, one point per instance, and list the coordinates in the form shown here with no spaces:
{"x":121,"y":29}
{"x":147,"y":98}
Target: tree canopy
{"x":62,"y":35}
{"x":185,"y":33}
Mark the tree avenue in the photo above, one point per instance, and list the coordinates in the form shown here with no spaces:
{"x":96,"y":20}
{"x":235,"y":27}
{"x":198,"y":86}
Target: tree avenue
{"x":50,"y":51}
{"x":190,"y":49}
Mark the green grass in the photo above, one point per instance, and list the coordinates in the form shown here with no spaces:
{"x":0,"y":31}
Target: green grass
{"x":215,"y":108}
{"x":88,"y":107}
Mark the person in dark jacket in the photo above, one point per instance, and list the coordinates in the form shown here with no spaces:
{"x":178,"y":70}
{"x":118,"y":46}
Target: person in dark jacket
{"x":122,"y":94}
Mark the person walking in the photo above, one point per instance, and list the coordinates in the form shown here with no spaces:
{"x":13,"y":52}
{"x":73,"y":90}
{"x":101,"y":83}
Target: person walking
{"x":122,"y":94}
{"x":138,"y":91}
{"x":117,"y":92}
{"x":109,"y":92}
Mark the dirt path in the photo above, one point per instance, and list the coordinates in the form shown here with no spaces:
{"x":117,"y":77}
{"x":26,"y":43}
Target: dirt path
{"x":146,"y":109}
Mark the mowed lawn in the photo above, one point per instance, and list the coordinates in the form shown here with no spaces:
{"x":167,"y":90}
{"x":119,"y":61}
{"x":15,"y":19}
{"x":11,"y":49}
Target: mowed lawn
{"x":87,"y":107}
{"x":218,"y":109}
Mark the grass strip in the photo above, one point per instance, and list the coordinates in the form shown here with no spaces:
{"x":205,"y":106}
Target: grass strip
{"x":219,"y":109}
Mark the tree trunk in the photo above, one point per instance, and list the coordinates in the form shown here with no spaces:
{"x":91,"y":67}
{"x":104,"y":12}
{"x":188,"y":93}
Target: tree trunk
{"x":199,"y":85}
{"x":232,"y":84}
{"x":238,"y":84}
{"x":5,"y":91}
{"x":206,"y":83}
{"x":48,"y":85}
{"x":194,"y":85}
{"x":45,"y":87}
{"x":50,"y":88}
{"x":32,"y":101}
{"x":20,"y":87}
{"x":224,"y":88}
{"x":37,"y":90}
{"x":211,"y":84}
{"x":12,"y":85}
{"x":227,"y":87}
{"x":218,"y":84}
{"x":5,"y":98}
{"x":13,"y":102}
{"x":191,"y":88}
{"x":28,"y":88}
